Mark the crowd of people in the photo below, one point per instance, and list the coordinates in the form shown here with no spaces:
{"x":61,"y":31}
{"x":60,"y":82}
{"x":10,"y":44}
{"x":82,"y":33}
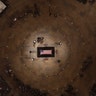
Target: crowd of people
{"x":69,"y":90}
{"x":85,"y":1}
{"x":33,"y":11}
{"x":4,"y":88}
{"x":26,"y":90}
{"x":92,"y":91}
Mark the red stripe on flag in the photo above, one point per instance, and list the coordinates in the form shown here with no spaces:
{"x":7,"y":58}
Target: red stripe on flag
{"x":44,"y":52}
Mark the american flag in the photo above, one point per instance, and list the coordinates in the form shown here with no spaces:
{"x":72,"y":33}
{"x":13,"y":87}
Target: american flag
{"x":44,"y":52}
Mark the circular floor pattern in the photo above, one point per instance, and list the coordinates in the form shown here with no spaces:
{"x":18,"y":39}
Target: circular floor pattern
{"x":69,"y":27}
{"x":40,"y":68}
